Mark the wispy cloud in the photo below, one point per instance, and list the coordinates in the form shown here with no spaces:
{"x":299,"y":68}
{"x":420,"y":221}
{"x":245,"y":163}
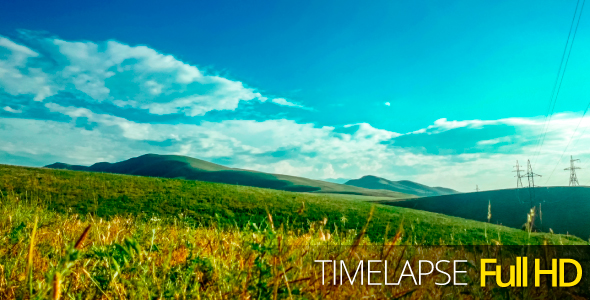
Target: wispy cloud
{"x":19,"y":72}
{"x":285,"y":102}
{"x":12,"y":110}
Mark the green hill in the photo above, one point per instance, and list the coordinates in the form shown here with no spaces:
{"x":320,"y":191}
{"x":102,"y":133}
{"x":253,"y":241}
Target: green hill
{"x":175,"y":166}
{"x":106,"y":195}
{"x":562,"y":209}
{"x":402,"y":186}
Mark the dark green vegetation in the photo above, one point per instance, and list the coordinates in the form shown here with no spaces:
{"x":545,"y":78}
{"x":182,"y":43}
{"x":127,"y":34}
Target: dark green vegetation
{"x":107,"y":195}
{"x":402,"y":186}
{"x":561,"y":209}
{"x":174,"y":166}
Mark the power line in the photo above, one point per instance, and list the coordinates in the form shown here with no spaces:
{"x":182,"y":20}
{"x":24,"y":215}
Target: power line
{"x":518,"y":176}
{"x":559,"y":78}
{"x":531,"y":178}
{"x":572,"y":169}
{"x":577,"y":140}
{"x":568,"y":143}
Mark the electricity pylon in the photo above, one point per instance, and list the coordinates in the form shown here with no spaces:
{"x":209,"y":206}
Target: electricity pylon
{"x":531,"y":178}
{"x":476,"y":188}
{"x":572,"y":169}
{"x":518,"y":176}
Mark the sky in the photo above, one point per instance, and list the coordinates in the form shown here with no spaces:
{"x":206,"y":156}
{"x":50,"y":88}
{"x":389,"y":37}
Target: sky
{"x":445,"y":93}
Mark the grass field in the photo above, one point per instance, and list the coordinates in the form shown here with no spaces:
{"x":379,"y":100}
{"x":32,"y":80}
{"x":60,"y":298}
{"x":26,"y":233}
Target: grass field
{"x":559,"y":209}
{"x":81,"y":235}
{"x":50,"y":255}
{"x":202,"y":204}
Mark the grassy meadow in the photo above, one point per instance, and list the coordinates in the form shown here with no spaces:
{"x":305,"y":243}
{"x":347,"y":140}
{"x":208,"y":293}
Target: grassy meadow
{"x":200,"y":203}
{"x":559,"y":209}
{"x":79,"y":235}
{"x":50,"y":255}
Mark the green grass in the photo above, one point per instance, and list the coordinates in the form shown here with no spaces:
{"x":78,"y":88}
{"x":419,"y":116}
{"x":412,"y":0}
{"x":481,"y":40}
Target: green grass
{"x":92,"y":194}
{"x":564,"y":210}
{"x":50,"y":255}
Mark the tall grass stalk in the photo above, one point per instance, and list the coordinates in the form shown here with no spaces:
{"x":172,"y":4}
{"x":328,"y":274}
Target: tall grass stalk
{"x":29,"y":269}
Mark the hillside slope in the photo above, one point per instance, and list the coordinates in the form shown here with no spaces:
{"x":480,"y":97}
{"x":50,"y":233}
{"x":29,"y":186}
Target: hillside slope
{"x":154,"y":199}
{"x":402,"y":186}
{"x":563,"y":209}
{"x":182,"y":167}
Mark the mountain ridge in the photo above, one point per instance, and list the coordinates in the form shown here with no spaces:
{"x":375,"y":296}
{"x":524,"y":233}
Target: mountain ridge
{"x":401,"y":186}
{"x":183,"y":167}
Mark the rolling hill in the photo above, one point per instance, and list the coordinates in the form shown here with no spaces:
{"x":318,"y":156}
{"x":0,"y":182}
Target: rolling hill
{"x":402,"y":186}
{"x":198,"y":203}
{"x":183,"y":167}
{"x":563,"y":209}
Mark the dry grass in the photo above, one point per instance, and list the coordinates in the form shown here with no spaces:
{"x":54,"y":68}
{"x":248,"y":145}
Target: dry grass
{"x":74,"y":257}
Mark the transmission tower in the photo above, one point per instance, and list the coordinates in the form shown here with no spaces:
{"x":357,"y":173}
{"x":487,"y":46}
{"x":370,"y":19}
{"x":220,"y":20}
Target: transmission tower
{"x":531,"y":178}
{"x":572,"y":169}
{"x":518,"y":176}
{"x":476,"y":188}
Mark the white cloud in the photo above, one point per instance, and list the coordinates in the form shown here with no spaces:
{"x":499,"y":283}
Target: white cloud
{"x":11,"y":110}
{"x":135,"y":76}
{"x":142,"y":78}
{"x":285,"y":167}
{"x":287,"y":147}
{"x":329,"y":172}
{"x":285,"y":102}
{"x":19,"y":75}
{"x":494,"y":141}
{"x":319,"y":151}
{"x":442,"y":125}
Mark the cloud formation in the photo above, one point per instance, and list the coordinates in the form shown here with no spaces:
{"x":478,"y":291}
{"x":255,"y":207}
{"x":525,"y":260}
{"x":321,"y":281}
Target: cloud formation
{"x":18,"y":76}
{"x":127,"y":76}
{"x":38,"y":126}
{"x":287,"y":147}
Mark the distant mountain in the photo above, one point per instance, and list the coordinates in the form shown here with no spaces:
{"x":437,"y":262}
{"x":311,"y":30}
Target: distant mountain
{"x":175,"y":166}
{"x":402,"y":186}
{"x":337,"y":180}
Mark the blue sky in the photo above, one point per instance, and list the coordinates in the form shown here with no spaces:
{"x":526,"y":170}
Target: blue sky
{"x":322,"y":89}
